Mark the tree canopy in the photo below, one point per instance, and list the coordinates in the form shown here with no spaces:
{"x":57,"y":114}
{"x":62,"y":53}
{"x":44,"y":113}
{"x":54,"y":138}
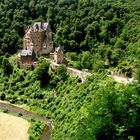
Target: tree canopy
{"x":109,"y":30}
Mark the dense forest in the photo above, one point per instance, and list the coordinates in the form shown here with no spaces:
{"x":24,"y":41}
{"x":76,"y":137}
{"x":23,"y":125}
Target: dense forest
{"x":103,"y":35}
{"x":103,"y":30}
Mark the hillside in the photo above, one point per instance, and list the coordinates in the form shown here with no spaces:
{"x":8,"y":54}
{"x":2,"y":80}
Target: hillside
{"x":103,"y":37}
{"x":97,"y":109}
{"x":106,"y":30}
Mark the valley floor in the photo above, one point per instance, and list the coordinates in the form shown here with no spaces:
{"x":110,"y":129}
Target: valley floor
{"x":13,"y":128}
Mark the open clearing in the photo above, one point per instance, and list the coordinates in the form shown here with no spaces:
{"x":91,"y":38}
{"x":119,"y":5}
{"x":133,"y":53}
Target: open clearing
{"x":13,"y":128}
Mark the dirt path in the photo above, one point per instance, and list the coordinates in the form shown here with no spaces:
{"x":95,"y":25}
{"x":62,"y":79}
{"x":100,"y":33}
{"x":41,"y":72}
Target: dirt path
{"x":122,"y":79}
{"x":46,"y":134}
{"x":83,"y":75}
{"x":74,"y":72}
{"x":13,"y":128}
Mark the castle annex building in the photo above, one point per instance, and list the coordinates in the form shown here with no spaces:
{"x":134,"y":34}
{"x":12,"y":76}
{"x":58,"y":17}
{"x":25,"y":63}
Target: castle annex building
{"x":37,"y":41}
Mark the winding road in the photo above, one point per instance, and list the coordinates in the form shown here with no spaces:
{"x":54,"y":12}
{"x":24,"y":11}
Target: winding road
{"x":83,"y":75}
{"x":74,"y":72}
{"x":123,"y":80}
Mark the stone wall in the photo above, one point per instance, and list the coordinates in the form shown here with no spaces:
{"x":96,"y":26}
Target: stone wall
{"x":37,"y":40}
{"x":74,"y":72}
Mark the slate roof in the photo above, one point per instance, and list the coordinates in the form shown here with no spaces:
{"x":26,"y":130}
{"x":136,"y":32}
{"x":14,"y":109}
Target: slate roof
{"x":26,"y":52}
{"x":42,"y":26}
{"x":59,"y":49}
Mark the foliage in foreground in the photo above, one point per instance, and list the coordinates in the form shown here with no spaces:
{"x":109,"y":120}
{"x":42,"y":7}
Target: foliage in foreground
{"x":98,"y":109}
{"x":35,"y":130}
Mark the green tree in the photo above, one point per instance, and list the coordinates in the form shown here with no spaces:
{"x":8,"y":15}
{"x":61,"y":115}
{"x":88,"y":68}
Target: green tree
{"x":86,"y":60}
{"x":137,"y":74}
{"x":41,"y":71}
{"x":7,"y":67}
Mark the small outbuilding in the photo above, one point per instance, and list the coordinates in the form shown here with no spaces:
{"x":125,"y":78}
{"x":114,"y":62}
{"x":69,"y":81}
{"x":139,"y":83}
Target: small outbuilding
{"x":26,"y":58}
{"x":59,"y":55}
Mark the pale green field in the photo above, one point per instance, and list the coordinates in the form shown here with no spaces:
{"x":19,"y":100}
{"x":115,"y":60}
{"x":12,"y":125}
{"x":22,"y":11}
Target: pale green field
{"x":13,"y":128}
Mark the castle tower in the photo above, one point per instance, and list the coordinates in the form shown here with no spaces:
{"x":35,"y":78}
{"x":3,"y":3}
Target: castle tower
{"x":40,"y":34}
{"x":59,"y":55}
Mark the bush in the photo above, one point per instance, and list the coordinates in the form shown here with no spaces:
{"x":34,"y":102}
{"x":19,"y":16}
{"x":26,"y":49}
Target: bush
{"x":5,"y":111}
{"x":7,"y":67}
{"x":41,"y":71}
{"x":2,"y":96}
{"x":36,"y":129}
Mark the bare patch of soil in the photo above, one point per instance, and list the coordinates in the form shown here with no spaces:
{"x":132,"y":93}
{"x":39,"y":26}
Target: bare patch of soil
{"x":13,"y":128}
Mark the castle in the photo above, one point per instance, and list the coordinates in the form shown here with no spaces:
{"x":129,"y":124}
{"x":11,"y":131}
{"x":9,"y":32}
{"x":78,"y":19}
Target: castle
{"x":37,"y":41}
{"x":58,"y":54}
{"x":40,"y":37}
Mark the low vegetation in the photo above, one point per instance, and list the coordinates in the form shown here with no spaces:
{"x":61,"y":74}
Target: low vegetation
{"x":36,"y":129}
{"x":99,"y":108}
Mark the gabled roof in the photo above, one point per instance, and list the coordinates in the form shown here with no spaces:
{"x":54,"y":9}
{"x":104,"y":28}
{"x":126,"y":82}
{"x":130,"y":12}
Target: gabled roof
{"x":46,"y":27}
{"x":59,"y":49}
{"x":42,"y":26}
{"x":26,"y":52}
